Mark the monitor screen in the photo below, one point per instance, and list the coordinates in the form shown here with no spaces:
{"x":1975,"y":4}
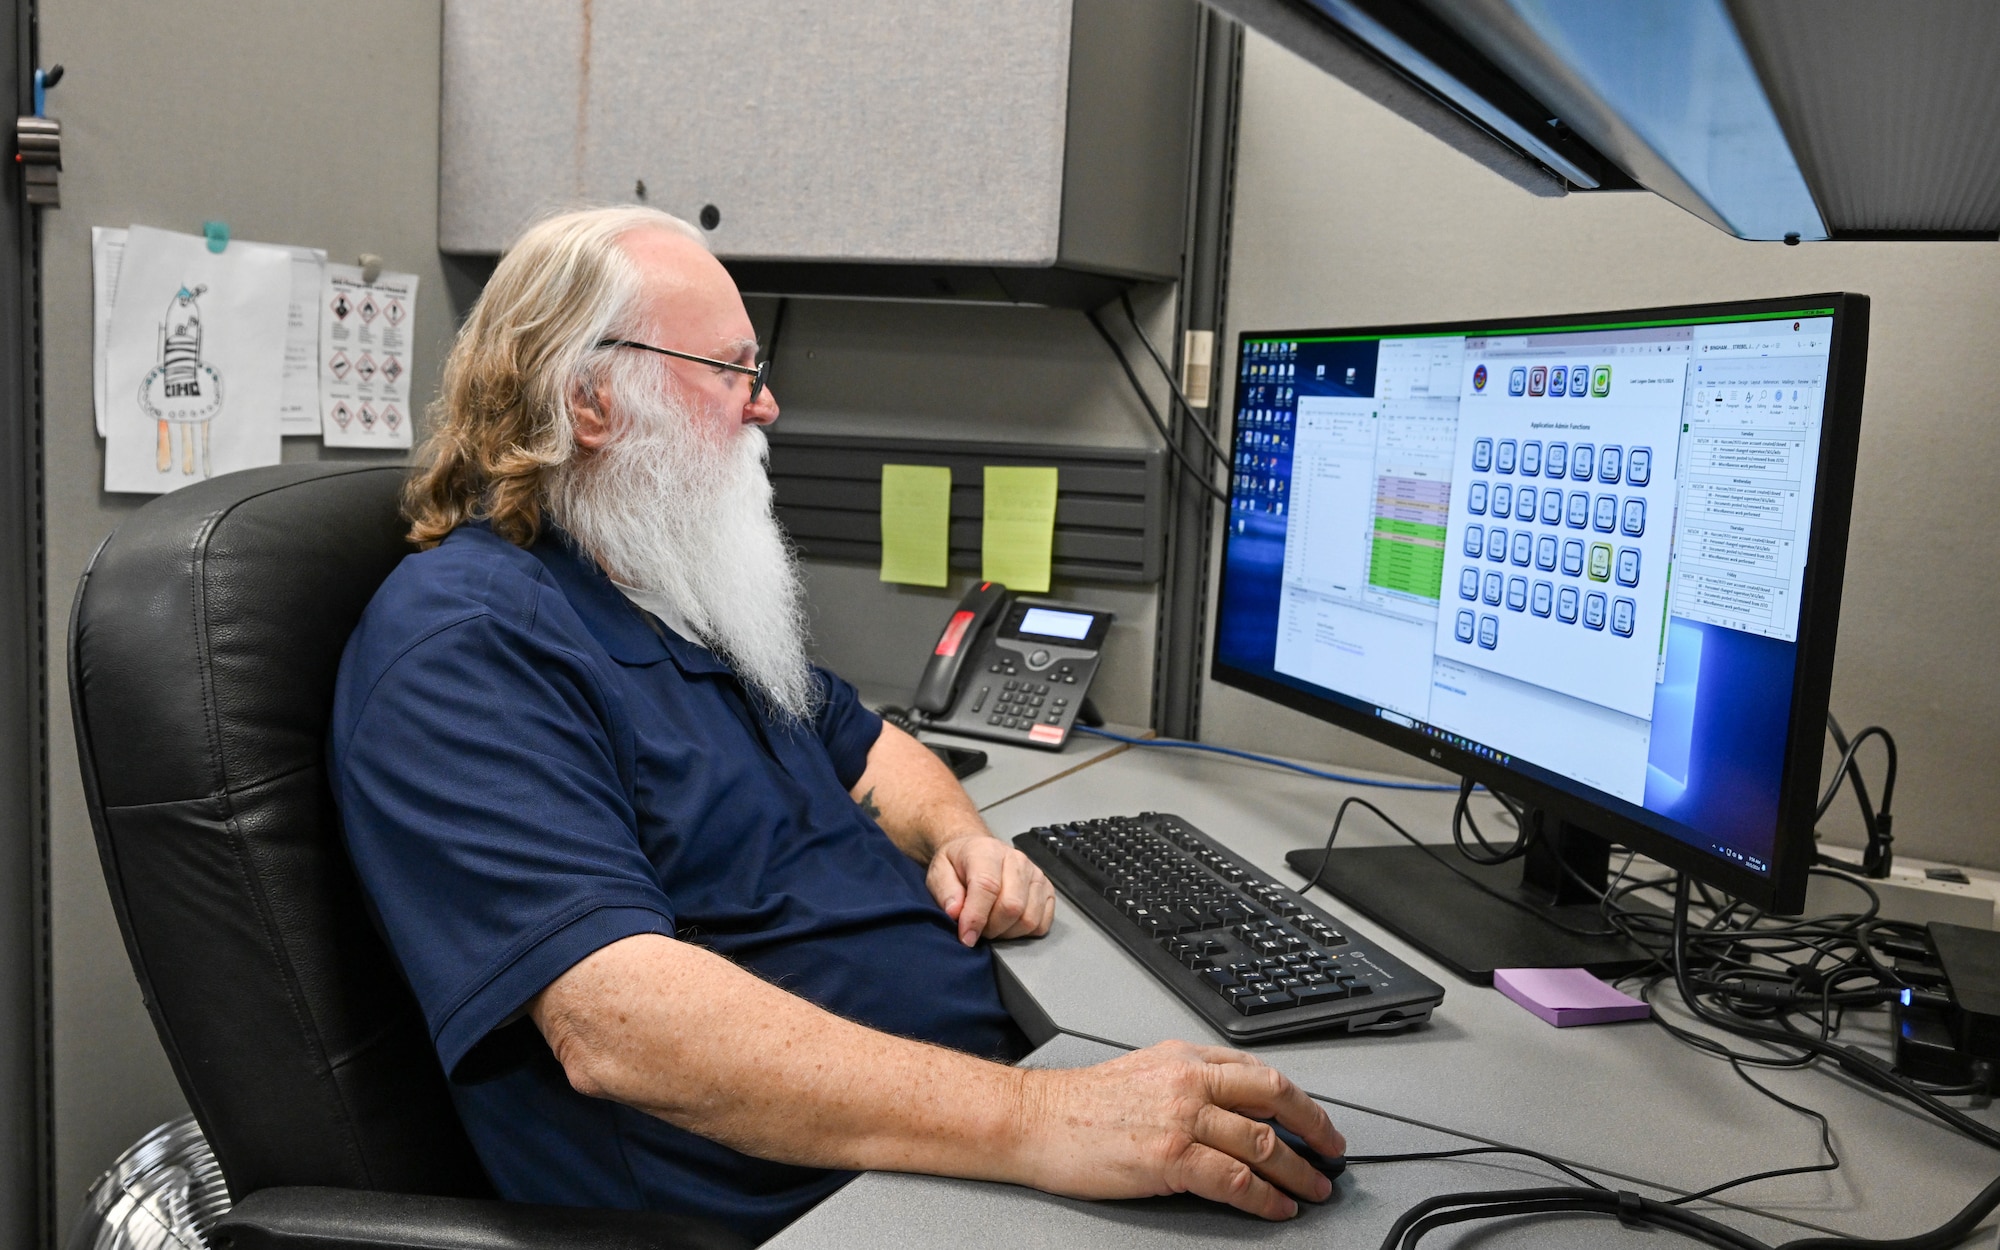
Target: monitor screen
{"x":1572,"y":553}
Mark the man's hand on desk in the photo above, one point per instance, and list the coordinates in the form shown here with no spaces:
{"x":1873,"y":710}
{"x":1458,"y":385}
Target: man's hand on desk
{"x":984,"y":884}
{"x":990,"y":889}
{"x":1177,"y":1118}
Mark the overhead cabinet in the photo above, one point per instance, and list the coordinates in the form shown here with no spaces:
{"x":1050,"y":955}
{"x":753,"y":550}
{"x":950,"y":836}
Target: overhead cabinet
{"x":1033,"y":151}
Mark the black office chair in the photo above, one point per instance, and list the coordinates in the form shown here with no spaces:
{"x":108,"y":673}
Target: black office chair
{"x":203,"y":646}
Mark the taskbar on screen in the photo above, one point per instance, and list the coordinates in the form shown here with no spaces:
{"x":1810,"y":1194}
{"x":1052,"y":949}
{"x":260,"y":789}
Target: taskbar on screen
{"x":1692,"y":838}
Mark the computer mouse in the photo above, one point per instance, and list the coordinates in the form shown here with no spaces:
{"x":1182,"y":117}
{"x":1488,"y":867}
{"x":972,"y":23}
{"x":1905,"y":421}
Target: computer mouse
{"x":1330,"y":1166}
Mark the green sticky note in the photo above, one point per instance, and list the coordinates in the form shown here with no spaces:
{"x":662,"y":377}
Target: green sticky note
{"x":1020,"y":527}
{"x":916,"y":524}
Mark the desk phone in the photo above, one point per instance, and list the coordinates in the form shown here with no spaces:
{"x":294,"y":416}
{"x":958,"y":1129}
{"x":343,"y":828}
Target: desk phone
{"x":1011,"y":670}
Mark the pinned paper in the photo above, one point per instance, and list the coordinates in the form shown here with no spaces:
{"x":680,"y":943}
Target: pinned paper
{"x":1018,"y":535}
{"x":195,"y":361}
{"x":916,"y":524}
{"x":364,"y":357}
{"x":107,"y":251}
{"x":298,"y":411}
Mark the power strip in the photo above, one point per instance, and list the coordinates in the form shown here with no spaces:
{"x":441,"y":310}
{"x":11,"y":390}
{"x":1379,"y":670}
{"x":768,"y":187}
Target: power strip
{"x":1909,"y":893}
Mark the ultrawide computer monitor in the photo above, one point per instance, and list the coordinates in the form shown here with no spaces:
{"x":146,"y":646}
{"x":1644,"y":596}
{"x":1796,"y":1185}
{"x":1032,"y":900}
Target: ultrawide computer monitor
{"x":1593,"y":562}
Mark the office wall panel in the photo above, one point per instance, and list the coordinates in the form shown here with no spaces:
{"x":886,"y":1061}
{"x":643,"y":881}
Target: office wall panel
{"x":311,"y":124}
{"x":513,"y":115}
{"x":981,"y":374}
{"x":1348,"y":215}
{"x":879,"y":121}
{"x":1003,"y":136}
{"x":878,"y":118}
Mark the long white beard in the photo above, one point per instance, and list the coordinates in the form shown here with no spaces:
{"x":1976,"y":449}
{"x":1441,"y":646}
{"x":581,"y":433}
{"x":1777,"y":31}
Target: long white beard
{"x":667,"y":511}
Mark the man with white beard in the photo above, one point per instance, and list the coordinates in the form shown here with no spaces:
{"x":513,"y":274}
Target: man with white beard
{"x":693,"y":929}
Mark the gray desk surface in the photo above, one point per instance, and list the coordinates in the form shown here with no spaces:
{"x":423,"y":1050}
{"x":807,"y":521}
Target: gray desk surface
{"x":1624,"y":1099}
{"x":1011,"y":770}
{"x":887,"y":1211}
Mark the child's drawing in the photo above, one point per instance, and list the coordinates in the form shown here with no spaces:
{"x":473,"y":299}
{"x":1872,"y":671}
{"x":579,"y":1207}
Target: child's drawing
{"x":181,"y":393}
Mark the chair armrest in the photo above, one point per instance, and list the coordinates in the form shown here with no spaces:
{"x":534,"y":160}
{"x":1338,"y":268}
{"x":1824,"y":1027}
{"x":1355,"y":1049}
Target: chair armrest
{"x":311,"y":1218}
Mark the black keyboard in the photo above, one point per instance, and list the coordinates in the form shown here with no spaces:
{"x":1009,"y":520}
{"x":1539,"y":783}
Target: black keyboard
{"x":1250,"y":955}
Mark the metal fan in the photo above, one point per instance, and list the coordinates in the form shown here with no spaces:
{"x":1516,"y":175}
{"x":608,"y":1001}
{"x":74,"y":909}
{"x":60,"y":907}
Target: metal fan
{"x":165,"y":1193}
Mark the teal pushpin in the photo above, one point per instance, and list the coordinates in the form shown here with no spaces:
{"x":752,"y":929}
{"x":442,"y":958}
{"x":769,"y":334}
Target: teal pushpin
{"x":218,"y":234}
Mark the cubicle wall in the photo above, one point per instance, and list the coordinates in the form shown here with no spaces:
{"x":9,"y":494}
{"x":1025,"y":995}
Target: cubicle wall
{"x":967,"y":372}
{"x":1347,"y":215}
{"x":319,"y":125}
{"x":22,"y":843}
{"x":309,"y":124}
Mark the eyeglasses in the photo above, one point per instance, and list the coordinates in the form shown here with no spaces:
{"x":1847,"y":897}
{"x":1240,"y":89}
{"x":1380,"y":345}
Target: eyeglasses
{"x":758,"y":373}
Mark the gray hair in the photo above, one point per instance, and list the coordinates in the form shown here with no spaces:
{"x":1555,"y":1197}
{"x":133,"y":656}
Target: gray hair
{"x":501,"y":421}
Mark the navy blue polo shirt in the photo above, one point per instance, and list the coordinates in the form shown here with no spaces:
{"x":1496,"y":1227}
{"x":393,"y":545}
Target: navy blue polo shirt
{"x":529,"y":767}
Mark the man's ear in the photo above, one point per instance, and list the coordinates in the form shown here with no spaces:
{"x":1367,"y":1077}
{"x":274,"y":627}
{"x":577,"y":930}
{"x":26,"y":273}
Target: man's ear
{"x":590,"y":418}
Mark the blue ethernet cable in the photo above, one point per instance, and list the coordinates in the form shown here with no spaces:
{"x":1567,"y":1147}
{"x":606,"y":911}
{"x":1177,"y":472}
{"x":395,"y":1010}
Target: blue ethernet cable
{"x":1267,"y":759}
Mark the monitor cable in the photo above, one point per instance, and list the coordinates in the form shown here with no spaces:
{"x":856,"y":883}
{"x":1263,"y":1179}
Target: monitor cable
{"x":1672,"y":1215}
{"x":1198,"y":473}
{"x":1173,"y":385}
{"x":1488,"y":855}
{"x":777,"y":335}
{"x":1734,"y":935}
{"x":1493,"y":1146}
{"x":1465,"y":788}
{"x":1340,"y":815}
{"x":1636,"y":1211}
{"x":1866,"y":1068}
{"x":1877,"y":855}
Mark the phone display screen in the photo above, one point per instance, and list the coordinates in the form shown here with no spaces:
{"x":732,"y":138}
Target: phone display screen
{"x":1051,"y":623}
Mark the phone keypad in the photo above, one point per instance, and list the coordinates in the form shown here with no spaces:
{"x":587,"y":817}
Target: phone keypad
{"x":1024,"y":703}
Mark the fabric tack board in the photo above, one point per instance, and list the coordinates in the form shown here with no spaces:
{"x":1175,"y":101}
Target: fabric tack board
{"x":1109,"y":500}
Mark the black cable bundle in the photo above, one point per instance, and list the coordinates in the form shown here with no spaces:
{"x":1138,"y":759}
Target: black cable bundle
{"x":1707,"y":966}
{"x":1877,"y":856}
{"x":1194,"y":418}
{"x":1782,"y":984}
{"x":1760,"y":1017}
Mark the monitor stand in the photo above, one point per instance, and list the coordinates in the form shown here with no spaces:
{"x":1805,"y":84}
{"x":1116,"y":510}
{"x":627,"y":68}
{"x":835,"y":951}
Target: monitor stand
{"x":1407,"y":891}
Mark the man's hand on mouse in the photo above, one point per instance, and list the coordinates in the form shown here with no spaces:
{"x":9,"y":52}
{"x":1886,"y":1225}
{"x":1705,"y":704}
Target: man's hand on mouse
{"x":990,"y":889}
{"x":1174,"y":1118}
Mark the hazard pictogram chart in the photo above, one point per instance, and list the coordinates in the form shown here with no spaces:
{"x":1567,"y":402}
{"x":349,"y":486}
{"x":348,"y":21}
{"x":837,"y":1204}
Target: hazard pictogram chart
{"x":364,"y":358}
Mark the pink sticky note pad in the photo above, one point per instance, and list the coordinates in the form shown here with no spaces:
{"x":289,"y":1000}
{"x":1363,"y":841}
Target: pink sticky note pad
{"x":1567,"y":996}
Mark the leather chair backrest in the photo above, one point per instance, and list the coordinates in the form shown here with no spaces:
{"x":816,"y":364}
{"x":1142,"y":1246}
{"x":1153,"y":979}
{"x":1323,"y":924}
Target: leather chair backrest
{"x":204,"y":643}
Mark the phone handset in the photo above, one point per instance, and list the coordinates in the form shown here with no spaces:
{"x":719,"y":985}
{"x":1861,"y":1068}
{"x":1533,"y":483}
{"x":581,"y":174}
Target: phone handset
{"x":939,"y":686}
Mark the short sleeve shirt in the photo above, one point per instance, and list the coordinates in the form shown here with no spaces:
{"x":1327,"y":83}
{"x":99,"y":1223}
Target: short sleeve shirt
{"x":529,"y":767}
